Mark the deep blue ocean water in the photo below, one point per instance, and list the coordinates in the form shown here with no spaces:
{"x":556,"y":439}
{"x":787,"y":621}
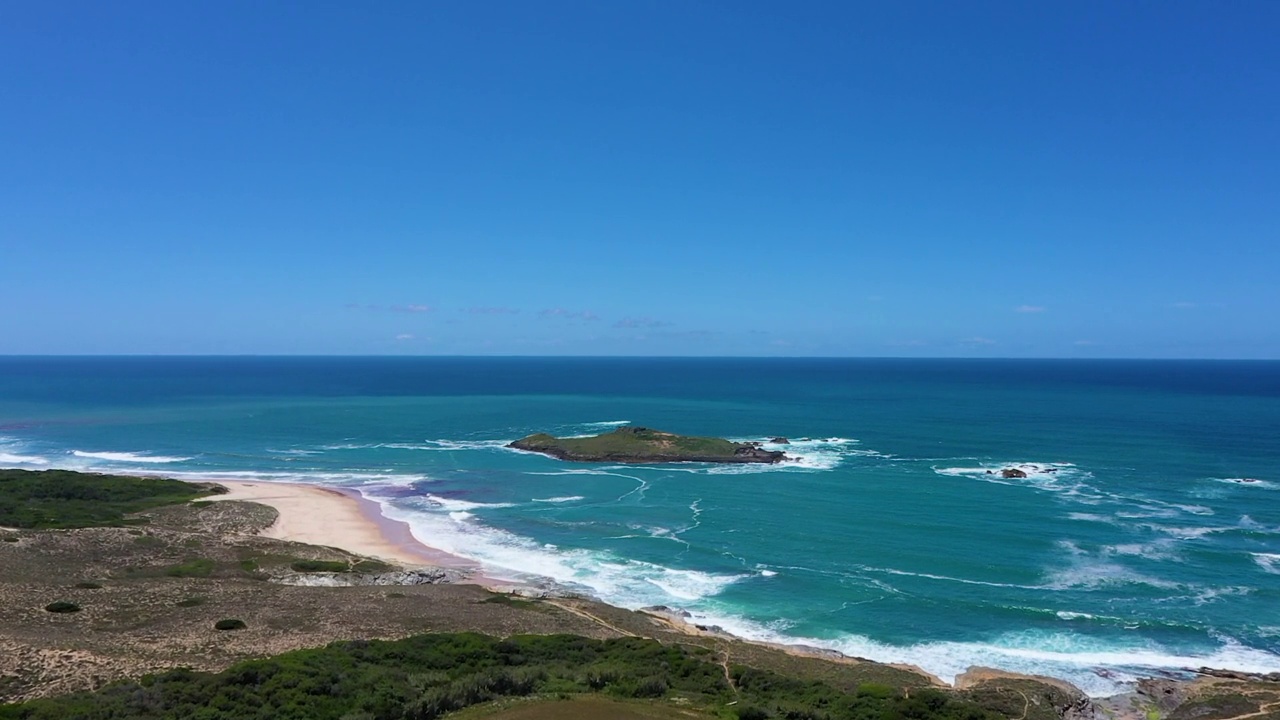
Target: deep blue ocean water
{"x":1146,"y":536}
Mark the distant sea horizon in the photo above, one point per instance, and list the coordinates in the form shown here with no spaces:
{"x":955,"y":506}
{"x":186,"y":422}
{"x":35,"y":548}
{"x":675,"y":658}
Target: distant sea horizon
{"x":1143,"y":539}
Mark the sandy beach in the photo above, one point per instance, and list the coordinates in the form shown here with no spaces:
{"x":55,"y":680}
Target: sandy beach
{"x":343,"y":519}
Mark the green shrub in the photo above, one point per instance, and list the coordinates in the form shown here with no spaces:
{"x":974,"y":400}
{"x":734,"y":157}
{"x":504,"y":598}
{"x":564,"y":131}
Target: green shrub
{"x":249,"y":565}
{"x":148,"y":541}
{"x":62,"y":606}
{"x":319,"y":566}
{"x":880,"y":691}
{"x":88,"y":586}
{"x":42,"y":499}
{"x":199,"y":567}
{"x":751,"y":712}
{"x":229,"y":624}
{"x":370,"y":567}
{"x":513,"y":601}
{"x":10,"y":538}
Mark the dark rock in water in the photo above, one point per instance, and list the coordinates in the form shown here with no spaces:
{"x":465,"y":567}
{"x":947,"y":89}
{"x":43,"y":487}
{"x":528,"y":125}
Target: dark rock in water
{"x":780,"y":441}
{"x":665,"y":610}
{"x":1012,"y":473}
{"x":990,"y":473}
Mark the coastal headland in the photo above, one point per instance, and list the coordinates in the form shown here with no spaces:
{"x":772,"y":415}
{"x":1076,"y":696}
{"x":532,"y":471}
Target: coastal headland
{"x":631,"y":444}
{"x":94,"y":600}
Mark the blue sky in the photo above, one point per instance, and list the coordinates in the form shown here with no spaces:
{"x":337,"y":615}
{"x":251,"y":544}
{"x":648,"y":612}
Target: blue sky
{"x":1092,"y":179}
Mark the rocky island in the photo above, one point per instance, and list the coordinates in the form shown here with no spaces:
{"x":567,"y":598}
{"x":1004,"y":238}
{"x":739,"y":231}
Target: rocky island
{"x":643,"y":445}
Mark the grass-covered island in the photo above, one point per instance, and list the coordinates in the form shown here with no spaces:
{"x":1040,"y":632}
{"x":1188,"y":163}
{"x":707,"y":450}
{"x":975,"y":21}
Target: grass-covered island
{"x":643,"y":445}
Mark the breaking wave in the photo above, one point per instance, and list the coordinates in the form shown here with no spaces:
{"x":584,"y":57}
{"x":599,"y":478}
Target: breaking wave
{"x":128,"y":457}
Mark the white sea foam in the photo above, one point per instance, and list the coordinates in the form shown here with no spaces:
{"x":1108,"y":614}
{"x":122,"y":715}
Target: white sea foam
{"x":294,"y":452}
{"x":803,"y":454}
{"x":1247,"y":482}
{"x":1093,"y":517}
{"x":1086,"y":571}
{"x":565,"y":499}
{"x":128,"y":457}
{"x":628,"y":583}
{"x":359,"y":479}
{"x":16,"y":459}
{"x":1069,"y":615}
{"x":454,"y":504}
{"x":449,"y":445}
{"x":592,"y":429}
{"x":1269,"y":562}
{"x":1092,"y":665}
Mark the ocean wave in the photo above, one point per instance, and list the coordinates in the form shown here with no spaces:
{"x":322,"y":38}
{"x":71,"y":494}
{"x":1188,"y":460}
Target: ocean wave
{"x":1247,"y":482}
{"x":1269,"y":562}
{"x":449,"y":445}
{"x":16,"y":459}
{"x":454,"y":504}
{"x":591,"y":429}
{"x":565,"y":499}
{"x":803,"y":454}
{"x":1087,"y":572}
{"x":358,"y":479}
{"x":624,"y":582}
{"x":1095,"y":666}
{"x":297,"y":452}
{"x":128,"y":457}
{"x":1162,"y":549}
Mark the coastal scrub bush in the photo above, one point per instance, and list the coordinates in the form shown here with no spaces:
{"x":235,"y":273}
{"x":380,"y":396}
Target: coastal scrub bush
{"x":62,"y":606}
{"x":88,"y":586}
{"x":199,"y":567}
{"x":425,"y":676}
{"x":229,"y":624}
{"x":46,"y":499}
{"x":10,"y":538}
{"x":370,"y":567}
{"x":319,"y":566}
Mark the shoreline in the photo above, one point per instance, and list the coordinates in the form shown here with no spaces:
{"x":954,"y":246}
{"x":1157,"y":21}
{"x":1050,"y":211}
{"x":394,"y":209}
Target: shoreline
{"x":345,"y":519}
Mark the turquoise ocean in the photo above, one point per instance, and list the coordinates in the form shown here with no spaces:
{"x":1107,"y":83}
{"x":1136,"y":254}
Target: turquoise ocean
{"x":1144,"y":539}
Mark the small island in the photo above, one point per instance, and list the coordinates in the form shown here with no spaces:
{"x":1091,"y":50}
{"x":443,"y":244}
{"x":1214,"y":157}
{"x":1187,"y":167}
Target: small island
{"x":643,"y":445}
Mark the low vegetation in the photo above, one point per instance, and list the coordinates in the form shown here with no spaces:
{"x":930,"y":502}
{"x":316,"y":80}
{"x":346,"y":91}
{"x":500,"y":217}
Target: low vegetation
{"x":56,"y":499}
{"x":62,"y":606}
{"x":643,"y":445}
{"x":428,"y":676}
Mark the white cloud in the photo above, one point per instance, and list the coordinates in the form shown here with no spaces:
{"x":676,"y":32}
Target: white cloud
{"x":1029,"y":309}
{"x":404,"y":336}
{"x":641,"y":322}
{"x":568,"y":314}
{"x":411,"y":308}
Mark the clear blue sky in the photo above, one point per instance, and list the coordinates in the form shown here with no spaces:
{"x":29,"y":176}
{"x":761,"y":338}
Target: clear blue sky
{"x":1014,"y":179}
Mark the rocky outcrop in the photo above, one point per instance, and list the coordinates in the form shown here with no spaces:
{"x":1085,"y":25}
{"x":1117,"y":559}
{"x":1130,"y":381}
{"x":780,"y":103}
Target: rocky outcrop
{"x":779,"y":441}
{"x":421,"y":576}
{"x":643,"y":445}
{"x":1013,"y":473}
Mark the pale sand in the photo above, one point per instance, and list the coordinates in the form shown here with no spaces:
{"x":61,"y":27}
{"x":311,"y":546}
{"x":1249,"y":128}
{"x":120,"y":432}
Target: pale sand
{"x":343,"y":519}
